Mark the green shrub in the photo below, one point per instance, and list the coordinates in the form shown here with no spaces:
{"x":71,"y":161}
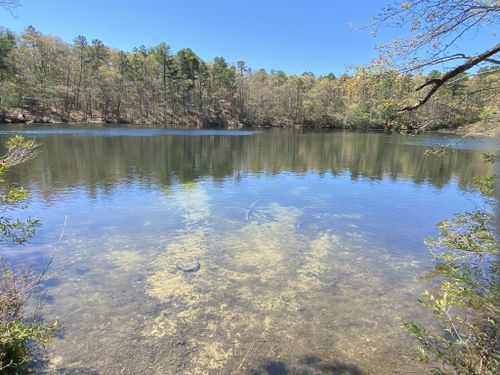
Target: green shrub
{"x":465,"y":297}
{"x":19,"y":334}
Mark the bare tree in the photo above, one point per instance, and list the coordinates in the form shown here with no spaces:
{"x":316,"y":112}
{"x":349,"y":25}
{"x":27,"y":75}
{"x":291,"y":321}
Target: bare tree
{"x":10,"y":5}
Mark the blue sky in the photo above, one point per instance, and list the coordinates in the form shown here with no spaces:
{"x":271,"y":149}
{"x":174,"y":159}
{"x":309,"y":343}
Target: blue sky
{"x":294,"y":36}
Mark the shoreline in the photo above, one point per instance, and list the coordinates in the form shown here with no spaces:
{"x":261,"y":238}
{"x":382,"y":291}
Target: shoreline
{"x":225,"y":122}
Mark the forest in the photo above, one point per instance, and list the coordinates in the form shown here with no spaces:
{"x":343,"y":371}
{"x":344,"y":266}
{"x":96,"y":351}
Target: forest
{"x":44,"y":79}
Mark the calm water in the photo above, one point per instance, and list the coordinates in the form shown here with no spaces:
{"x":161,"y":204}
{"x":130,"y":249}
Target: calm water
{"x":308,"y":244}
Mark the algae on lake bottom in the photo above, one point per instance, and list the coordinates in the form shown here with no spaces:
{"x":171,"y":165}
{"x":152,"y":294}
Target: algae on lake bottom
{"x":251,"y":270}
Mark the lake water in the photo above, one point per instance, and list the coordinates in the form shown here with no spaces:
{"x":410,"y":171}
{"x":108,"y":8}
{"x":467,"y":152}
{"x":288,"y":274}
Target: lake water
{"x":304,"y":246}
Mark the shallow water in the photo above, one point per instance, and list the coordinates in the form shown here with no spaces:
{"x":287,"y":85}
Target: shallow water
{"x":309,"y":246}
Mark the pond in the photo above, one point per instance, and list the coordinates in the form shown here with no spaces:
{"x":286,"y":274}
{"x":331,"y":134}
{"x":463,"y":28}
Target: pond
{"x":226,"y":252}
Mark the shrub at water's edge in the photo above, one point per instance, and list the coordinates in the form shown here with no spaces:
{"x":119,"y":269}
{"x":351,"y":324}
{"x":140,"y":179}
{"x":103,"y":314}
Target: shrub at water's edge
{"x":19,"y":331}
{"x":464,"y":296}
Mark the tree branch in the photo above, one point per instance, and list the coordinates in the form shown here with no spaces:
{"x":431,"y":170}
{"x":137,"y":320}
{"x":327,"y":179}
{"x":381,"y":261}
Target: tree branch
{"x":9,"y":5}
{"x":436,"y":83}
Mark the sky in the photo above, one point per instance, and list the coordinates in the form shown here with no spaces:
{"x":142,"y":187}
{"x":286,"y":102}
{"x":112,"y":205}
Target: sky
{"x":294,"y":36}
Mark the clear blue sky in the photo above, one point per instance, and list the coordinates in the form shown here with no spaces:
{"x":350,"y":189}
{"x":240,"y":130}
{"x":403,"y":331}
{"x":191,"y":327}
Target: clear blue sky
{"x":294,"y":36}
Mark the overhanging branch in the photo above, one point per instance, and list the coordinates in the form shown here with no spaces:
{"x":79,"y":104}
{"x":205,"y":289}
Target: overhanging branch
{"x":436,"y":83}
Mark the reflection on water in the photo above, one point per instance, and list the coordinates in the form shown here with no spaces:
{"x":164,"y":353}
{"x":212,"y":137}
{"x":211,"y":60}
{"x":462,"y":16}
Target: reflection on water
{"x":104,"y":161}
{"x":279,"y":252}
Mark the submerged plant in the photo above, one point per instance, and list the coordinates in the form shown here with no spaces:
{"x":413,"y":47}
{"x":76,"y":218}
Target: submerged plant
{"x":464,"y":299}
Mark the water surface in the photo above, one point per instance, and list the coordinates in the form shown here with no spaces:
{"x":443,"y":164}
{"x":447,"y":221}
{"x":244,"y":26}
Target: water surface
{"x":308,"y":244}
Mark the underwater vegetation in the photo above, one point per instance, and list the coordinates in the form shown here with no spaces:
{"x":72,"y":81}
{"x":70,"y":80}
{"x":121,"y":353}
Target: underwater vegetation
{"x":273,"y":289}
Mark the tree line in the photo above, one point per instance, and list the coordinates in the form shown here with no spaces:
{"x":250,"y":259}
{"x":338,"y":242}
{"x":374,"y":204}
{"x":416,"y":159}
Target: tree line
{"x":44,"y":79}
